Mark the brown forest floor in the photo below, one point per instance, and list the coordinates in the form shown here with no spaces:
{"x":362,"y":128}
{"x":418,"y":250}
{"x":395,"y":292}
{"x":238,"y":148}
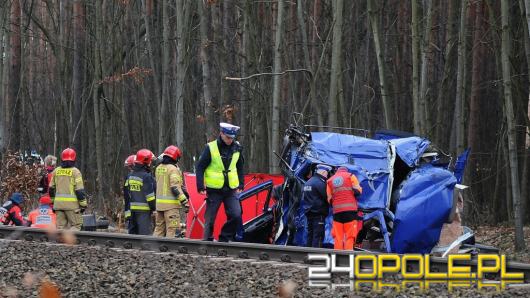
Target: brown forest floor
{"x":502,"y":237}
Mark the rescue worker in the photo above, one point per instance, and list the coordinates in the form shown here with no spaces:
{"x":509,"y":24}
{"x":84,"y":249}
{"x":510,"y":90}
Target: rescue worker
{"x":128,"y":164}
{"x":343,"y":189}
{"x":50,"y":162}
{"x":317,"y":207}
{"x":43,"y":217}
{"x":11,"y":211}
{"x":219,"y":173}
{"x":68,"y":193}
{"x":169,"y":194}
{"x":140,"y":187}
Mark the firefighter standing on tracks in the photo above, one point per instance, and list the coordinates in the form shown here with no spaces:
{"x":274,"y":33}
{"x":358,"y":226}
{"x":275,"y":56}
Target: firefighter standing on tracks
{"x":220,"y":177}
{"x":169,"y":194}
{"x":67,"y":192}
{"x":140,"y":193}
{"x":343,"y":189}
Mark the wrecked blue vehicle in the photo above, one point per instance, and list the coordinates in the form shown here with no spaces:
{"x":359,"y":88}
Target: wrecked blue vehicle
{"x":410,"y":189}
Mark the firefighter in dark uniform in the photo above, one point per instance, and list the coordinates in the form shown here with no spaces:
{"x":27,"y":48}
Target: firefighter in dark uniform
{"x":220,"y":177}
{"x":140,"y":194}
{"x":317,"y":207}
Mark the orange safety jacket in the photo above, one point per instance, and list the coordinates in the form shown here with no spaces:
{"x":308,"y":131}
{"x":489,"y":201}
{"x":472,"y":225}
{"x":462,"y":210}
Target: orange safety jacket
{"x":340,"y":189}
{"x":42,"y":217}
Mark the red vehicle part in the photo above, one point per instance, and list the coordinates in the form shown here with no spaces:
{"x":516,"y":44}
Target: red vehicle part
{"x":251,"y":207}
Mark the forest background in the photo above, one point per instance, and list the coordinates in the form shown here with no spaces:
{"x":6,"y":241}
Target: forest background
{"x":110,"y":77}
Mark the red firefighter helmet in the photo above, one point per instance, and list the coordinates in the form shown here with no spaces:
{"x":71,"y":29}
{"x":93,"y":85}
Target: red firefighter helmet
{"x":173,"y":152}
{"x":68,"y":154}
{"x":144,"y":157}
{"x":129,"y":162}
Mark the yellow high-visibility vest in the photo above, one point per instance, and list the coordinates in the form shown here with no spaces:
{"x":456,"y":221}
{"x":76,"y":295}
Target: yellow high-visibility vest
{"x":214,"y":175}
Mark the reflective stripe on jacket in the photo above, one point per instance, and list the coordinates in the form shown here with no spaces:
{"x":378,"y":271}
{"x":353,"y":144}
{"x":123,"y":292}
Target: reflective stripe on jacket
{"x":214,"y":175}
{"x":66,"y":182}
{"x":42,"y":217}
{"x":167,"y":177}
{"x":140,"y":186}
{"x":341,"y":191}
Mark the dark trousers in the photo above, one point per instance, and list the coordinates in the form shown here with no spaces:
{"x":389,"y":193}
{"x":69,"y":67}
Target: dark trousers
{"x":232,"y":210}
{"x":140,"y":223}
{"x":315,"y":230}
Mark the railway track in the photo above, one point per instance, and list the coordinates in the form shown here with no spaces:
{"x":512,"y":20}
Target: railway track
{"x":236,"y":250}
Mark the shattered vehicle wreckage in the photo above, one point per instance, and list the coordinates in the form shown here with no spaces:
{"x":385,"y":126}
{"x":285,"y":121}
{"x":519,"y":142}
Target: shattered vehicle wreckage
{"x":411,"y":202}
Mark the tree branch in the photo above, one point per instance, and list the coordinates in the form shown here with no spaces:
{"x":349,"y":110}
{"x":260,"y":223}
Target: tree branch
{"x":269,"y":74}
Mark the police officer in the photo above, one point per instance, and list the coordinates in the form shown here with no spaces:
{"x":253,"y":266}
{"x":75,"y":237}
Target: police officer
{"x":219,"y":172}
{"x":67,"y":192}
{"x":169,"y":194}
{"x":140,"y":186}
{"x":317,"y":207}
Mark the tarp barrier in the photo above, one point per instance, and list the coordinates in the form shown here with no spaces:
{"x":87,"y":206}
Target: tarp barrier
{"x":410,"y":149}
{"x":425,"y":202}
{"x":251,"y":207}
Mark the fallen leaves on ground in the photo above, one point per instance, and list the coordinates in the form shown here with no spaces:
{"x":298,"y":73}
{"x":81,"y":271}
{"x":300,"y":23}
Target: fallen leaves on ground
{"x":503,"y":237}
{"x":49,"y":290}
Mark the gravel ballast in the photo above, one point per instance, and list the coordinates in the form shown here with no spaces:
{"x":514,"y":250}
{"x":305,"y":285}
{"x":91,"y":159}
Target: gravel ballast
{"x":83,"y":271}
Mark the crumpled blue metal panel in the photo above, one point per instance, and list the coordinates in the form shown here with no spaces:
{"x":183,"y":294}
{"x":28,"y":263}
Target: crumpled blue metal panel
{"x":410,"y":149}
{"x":340,"y":149}
{"x":425,"y":202}
{"x":460,"y":165}
{"x":370,"y":160}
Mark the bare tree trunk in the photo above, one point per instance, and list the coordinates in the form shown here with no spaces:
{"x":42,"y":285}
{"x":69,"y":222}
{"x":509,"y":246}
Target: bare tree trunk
{"x":183,"y":12}
{"x":245,"y":57}
{"x":230,"y":51}
{"x":335,"y":63}
{"x":387,"y":106}
{"x":149,"y":41}
{"x":209,"y":105}
{"x":416,"y":69}
{"x":425,"y":49}
{"x":307,"y":60}
{"x":448,"y":71}
{"x":510,"y":120}
{"x":474,"y":101}
{"x":317,"y":7}
{"x":3,"y":60}
{"x":166,"y":47}
{"x":96,"y":101}
{"x":12,"y":105}
{"x":460,"y":80}
{"x":524,"y":191}
{"x":275,"y":121}
{"x":78,"y":70}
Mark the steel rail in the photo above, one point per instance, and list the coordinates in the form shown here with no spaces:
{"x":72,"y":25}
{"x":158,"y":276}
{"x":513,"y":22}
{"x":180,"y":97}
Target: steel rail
{"x":241,"y":250}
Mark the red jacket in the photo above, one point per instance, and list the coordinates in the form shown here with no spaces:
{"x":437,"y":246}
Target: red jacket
{"x":341,"y":189}
{"x":12,"y":215}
